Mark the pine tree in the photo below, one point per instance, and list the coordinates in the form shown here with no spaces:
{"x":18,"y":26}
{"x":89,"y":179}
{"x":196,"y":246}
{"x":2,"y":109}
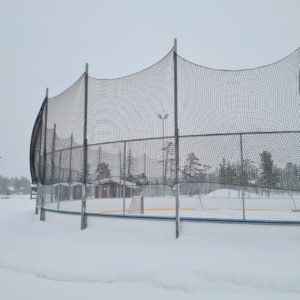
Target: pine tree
{"x":102,"y":171}
{"x":192,"y":168}
{"x":291,"y":176}
{"x":268,"y":175}
{"x":222,"y":171}
{"x":130,"y":167}
{"x":227,"y":172}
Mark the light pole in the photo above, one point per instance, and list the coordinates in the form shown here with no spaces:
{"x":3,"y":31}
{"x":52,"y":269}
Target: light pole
{"x":163,"y":118}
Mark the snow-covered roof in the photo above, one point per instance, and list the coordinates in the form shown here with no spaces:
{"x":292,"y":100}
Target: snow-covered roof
{"x":111,"y":180}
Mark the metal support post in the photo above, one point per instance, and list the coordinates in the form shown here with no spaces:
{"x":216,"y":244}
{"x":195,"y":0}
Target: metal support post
{"x":84,"y":192}
{"x":38,"y":197}
{"x":53,"y":162}
{"x":97,"y":192}
{"x":124,"y":172}
{"x":242,"y":176}
{"x":70,"y":169}
{"x":39,"y":194}
{"x":59,"y":176}
{"x":120,"y":165}
{"x":176,"y":141}
{"x":42,"y":213}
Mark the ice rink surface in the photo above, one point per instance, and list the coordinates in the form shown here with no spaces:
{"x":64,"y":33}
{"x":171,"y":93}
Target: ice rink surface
{"x":41,"y":260}
{"x":219,"y":204}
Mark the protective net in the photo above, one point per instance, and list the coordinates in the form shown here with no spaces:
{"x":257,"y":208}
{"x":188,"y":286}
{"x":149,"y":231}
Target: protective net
{"x":239,"y":134}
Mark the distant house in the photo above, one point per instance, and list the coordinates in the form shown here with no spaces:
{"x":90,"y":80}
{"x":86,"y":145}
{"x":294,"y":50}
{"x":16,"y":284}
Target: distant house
{"x":77,"y":191}
{"x":106,"y":188}
{"x":33,"y":191}
{"x":110,"y":188}
{"x":62,"y":191}
{"x":11,"y":190}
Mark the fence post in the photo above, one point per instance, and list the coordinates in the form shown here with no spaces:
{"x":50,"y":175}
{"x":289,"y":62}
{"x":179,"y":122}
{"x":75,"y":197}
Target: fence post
{"x":242,"y":178}
{"x":70,"y":169}
{"x":120,"y":165}
{"x":38,"y":190}
{"x":98,"y":167}
{"x":176,"y":140}
{"x":83,"y":203}
{"x":53,"y":161}
{"x":124,"y":172}
{"x":59,"y":176}
{"x":42,"y":213}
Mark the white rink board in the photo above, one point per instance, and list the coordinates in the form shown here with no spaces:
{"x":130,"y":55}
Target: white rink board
{"x":221,"y":204}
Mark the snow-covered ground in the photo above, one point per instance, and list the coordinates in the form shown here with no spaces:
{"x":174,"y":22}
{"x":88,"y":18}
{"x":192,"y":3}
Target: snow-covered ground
{"x":40,"y":260}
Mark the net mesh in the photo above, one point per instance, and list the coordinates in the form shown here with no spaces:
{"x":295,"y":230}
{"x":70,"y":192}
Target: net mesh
{"x":239,"y":134}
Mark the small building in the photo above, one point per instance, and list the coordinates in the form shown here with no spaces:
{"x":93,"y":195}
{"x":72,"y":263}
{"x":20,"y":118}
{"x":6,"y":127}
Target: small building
{"x":33,"y":191}
{"x":77,"y":191}
{"x":62,"y":191}
{"x":110,"y":188}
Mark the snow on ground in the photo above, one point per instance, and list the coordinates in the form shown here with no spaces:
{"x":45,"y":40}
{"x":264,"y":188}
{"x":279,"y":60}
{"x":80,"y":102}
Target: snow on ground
{"x":40,"y":260}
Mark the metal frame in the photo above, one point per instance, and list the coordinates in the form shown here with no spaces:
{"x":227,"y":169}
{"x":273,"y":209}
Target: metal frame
{"x":42,"y":213}
{"x":188,"y":136}
{"x":124,"y":175}
{"x":84,"y":192}
{"x":53,"y":162}
{"x":242,"y":176}
{"x":183,"y":219}
{"x":177,"y":232}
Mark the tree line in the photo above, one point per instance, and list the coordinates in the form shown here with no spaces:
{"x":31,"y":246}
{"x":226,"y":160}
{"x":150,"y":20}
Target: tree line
{"x":14,"y":185}
{"x":246,"y":173}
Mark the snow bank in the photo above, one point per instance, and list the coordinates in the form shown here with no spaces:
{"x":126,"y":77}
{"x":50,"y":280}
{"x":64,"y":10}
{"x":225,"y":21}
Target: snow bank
{"x":49,"y":261}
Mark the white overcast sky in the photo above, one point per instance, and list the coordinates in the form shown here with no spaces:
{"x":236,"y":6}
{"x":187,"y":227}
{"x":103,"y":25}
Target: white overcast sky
{"x":46,"y":43}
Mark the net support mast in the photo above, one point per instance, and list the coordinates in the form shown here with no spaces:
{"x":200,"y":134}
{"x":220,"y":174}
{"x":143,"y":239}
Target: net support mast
{"x":84,"y":192}
{"x":70,"y":169}
{"x":242,"y":176}
{"x":42,"y":214}
{"x":53,"y":163}
{"x":124,"y":177}
{"x":176,"y":141}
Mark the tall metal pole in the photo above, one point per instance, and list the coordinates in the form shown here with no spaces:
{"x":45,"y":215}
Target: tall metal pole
{"x":124,"y":172}
{"x":120,"y":165}
{"x":59,"y":184}
{"x":42,"y":213}
{"x":53,"y":162}
{"x":70,"y":169}
{"x":176,"y":140}
{"x":83,"y":203}
{"x":242,"y":178}
{"x":99,"y":161}
{"x":163,"y":146}
{"x":38,"y":198}
{"x":99,"y":174}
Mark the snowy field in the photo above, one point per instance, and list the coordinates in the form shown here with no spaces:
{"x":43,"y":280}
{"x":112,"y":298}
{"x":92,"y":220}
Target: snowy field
{"x":41,"y":260}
